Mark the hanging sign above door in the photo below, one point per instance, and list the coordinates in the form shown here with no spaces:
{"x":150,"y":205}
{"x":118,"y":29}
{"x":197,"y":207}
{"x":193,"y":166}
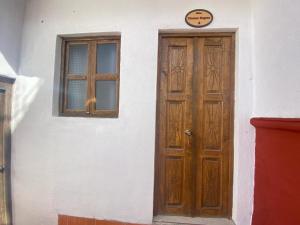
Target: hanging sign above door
{"x":199,"y":18}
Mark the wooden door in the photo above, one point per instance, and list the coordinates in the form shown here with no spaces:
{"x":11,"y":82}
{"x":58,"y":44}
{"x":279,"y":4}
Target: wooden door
{"x":5,"y":187}
{"x":2,"y":172}
{"x":195,"y":126}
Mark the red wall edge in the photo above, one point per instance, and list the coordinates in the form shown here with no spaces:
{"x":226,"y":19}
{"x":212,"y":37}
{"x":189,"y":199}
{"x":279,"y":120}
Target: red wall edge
{"x":277,"y":171}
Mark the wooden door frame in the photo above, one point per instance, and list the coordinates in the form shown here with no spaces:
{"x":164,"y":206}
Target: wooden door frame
{"x":192,"y":34}
{"x":6,"y":84}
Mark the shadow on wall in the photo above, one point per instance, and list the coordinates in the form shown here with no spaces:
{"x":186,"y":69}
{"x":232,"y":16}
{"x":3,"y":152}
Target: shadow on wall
{"x":25,"y":91}
{"x":26,"y":87}
{"x":56,"y":81}
{"x":8,"y":62}
{"x":5,"y":68}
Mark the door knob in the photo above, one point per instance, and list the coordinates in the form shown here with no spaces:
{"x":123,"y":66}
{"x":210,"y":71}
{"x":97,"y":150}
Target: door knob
{"x":2,"y":168}
{"x":188,"y":132}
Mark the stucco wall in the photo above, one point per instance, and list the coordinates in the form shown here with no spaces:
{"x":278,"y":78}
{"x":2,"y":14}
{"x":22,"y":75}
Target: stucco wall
{"x":104,"y":168}
{"x":277,"y":57}
{"x":11,"y":23}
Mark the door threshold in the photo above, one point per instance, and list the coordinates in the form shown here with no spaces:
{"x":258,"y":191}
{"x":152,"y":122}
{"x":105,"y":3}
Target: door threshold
{"x":182,"y":220}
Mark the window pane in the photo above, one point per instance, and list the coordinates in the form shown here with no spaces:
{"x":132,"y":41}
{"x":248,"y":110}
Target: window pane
{"x":76,"y":94}
{"x":106,"y":58}
{"x":105,"y":95}
{"x":78,"y":55}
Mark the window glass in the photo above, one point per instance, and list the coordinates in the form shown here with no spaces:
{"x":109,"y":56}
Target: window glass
{"x":78,"y":54}
{"x":76,"y":94}
{"x":106,"y":58}
{"x":105,"y":95}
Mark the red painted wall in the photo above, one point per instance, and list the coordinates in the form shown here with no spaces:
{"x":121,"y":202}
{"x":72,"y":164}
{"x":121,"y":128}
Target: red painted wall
{"x":277,"y":172}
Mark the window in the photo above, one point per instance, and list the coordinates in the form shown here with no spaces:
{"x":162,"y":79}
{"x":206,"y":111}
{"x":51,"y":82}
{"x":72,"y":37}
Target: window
{"x":90,"y":77}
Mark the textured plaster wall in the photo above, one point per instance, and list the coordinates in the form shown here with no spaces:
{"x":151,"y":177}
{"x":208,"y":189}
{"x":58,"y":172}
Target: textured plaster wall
{"x":104,"y":168}
{"x":277,"y":57}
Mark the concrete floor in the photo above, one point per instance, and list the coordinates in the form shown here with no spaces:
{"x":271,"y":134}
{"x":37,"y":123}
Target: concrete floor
{"x":180,"y":220}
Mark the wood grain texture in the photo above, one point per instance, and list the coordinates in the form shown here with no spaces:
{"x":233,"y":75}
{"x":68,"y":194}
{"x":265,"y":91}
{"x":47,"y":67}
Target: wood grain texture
{"x":174,"y":180}
{"x":196,"y":87}
{"x":174,"y":118}
{"x":2,"y":177}
{"x":214,"y":134}
{"x":212,"y":185}
{"x":177,"y":65}
{"x":5,"y":151}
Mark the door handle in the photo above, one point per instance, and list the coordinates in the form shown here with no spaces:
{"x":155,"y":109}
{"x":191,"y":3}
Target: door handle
{"x":2,"y":168}
{"x":188,"y":132}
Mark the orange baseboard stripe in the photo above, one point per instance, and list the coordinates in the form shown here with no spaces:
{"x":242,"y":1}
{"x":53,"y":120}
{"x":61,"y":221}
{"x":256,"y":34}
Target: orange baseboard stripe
{"x":73,"y":220}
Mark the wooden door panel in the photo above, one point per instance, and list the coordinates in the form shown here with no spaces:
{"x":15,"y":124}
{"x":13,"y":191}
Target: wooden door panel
{"x":177,"y":65}
{"x":211,"y":195}
{"x":213,"y":65}
{"x":174,"y":160}
{"x":174,"y":180}
{"x":212,"y":130}
{"x":175,"y":124}
{"x":213,"y":140}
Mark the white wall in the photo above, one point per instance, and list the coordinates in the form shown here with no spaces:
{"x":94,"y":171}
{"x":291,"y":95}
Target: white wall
{"x":11,"y":23}
{"x":277,"y":58}
{"x":104,"y":168}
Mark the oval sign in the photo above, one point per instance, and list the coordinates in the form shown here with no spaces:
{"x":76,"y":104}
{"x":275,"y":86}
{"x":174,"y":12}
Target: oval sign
{"x":199,"y":18}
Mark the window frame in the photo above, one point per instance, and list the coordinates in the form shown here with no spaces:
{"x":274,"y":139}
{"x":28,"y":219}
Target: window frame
{"x":91,"y":76}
